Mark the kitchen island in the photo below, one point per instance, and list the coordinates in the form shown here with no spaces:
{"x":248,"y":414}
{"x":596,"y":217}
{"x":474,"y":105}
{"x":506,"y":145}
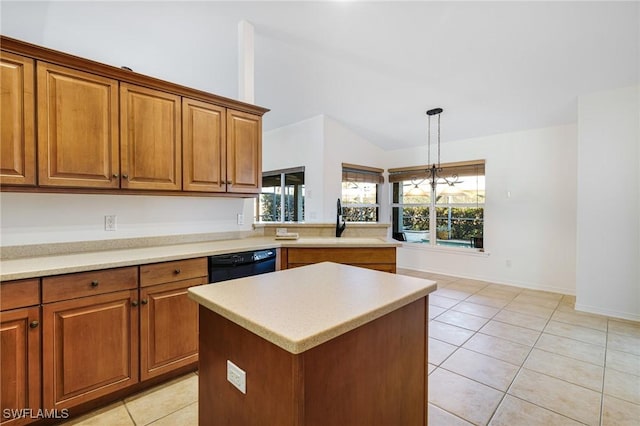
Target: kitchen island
{"x":320,"y":344}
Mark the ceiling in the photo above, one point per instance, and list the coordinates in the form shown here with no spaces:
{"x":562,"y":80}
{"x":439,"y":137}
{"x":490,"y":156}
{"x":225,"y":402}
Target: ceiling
{"x":376,"y":67}
{"x":493,"y":67}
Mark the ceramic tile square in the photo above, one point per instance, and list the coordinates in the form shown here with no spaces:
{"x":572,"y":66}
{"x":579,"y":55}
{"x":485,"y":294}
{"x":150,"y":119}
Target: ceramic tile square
{"x":494,"y":302}
{"x":514,"y":411}
{"x":622,"y":385}
{"x":619,"y":413}
{"x":473,"y":401}
{"x":526,"y":308}
{"x":625,"y":328}
{"x":588,"y":335}
{"x":542,"y":294}
{"x":475,"y":309}
{"x":578,"y":318}
{"x":521,"y":320}
{"x":623,"y":361}
{"x":450,"y":293}
{"x":568,"y":300}
{"x":537,"y":301}
{"x":470,"y":285}
{"x":439,"y":351}
{"x":565,"y":398}
{"x":449,"y":333}
{"x":623,"y":343}
{"x":481,"y":368}
{"x":159,"y":402}
{"x":443,"y":302}
{"x":505,"y":288}
{"x":497,"y":293}
{"x":510,"y":332}
{"x":184,"y":416}
{"x":514,"y":353}
{"x":434,"y":311}
{"x":572,"y":348}
{"x":565,"y":368}
{"x":113,"y":415}
{"x":430,"y":368}
{"x":460,"y":319}
{"x":440,"y":417}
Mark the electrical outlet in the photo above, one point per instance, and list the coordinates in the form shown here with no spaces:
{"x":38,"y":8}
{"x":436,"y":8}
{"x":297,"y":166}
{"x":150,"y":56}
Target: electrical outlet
{"x":237,"y":377}
{"x":240,"y":219}
{"x":281,"y":231}
{"x":110,"y":223}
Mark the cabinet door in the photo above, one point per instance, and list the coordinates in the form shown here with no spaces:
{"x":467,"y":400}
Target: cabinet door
{"x":77,"y":128}
{"x":150,"y":137}
{"x":17,"y":121}
{"x":19,"y":363}
{"x":90,"y":348}
{"x":244,"y":152}
{"x":203,"y":146}
{"x":168,"y":327}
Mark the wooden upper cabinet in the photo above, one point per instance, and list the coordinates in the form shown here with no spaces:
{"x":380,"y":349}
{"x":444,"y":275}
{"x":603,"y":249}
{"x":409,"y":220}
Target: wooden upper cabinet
{"x":17,"y":120}
{"x":150,"y":138}
{"x":203,"y":146}
{"x":244,"y":152}
{"x":77,"y":128}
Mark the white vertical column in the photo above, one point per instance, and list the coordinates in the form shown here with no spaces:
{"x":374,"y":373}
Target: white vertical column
{"x":245,"y":62}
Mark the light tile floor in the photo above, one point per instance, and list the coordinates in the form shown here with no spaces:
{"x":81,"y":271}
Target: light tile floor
{"x":498,"y":355}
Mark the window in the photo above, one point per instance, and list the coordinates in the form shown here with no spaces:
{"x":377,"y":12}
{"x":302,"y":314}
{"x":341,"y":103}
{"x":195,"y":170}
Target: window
{"x":282,"y":196}
{"x":360,"y":193}
{"x":451,"y":214}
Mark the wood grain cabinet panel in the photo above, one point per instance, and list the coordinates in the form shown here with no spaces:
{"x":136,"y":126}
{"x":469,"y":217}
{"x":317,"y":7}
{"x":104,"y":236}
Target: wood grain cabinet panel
{"x":168,"y":328}
{"x":168,"y":318}
{"x":19,"y":363}
{"x":378,"y":258}
{"x":203,"y":146}
{"x":77,"y":128}
{"x":90,"y":347}
{"x":17,"y":120}
{"x":244,"y":152}
{"x":150,"y":138}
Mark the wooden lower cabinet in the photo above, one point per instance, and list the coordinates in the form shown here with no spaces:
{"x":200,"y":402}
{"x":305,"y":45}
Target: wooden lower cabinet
{"x":19,"y":364}
{"x":90,"y":347}
{"x":378,"y":258}
{"x":168,"y":328}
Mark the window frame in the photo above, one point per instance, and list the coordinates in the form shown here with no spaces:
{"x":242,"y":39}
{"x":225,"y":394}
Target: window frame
{"x":352,"y":173}
{"x":399,"y":177}
{"x":283,"y":194}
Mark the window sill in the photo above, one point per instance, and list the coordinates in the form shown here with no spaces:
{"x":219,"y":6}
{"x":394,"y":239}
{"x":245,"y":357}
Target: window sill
{"x":447,"y":250}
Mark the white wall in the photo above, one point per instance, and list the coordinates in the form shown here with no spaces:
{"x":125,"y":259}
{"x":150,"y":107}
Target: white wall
{"x":608,"y":226}
{"x":115,"y":34}
{"x":321,"y":144}
{"x":300,"y":144}
{"x":48,"y":218}
{"x":344,"y":146}
{"x":529,"y":231}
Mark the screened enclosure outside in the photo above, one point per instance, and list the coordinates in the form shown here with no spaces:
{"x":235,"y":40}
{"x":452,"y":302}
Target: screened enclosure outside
{"x":457,"y":208}
{"x":282,"y":196}
{"x":360,"y":186}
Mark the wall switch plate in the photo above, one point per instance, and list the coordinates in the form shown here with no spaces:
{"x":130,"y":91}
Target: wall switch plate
{"x":237,"y":377}
{"x":110,"y":223}
{"x":240,"y":219}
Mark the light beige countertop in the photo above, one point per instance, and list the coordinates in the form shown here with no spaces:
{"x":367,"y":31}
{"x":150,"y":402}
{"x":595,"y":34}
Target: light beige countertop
{"x":300,"y":308}
{"x":32,"y":267}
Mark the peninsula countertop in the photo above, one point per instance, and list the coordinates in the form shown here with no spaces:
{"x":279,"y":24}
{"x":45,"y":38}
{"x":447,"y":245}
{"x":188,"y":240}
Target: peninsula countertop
{"x":33,"y":267}
{"x":300,"y":308}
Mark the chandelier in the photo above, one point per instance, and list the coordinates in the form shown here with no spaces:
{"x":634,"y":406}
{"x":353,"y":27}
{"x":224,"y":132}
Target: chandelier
{"x":435,"y":171}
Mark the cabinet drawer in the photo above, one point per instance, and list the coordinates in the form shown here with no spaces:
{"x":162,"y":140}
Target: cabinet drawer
{"x":83,"y":284}
{"x":20,"y":293}
{"x":342,"y":255}
{"x":166,"y":272}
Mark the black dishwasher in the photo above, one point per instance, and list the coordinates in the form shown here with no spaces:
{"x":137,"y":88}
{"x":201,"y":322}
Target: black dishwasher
{"x":237,"y":265}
